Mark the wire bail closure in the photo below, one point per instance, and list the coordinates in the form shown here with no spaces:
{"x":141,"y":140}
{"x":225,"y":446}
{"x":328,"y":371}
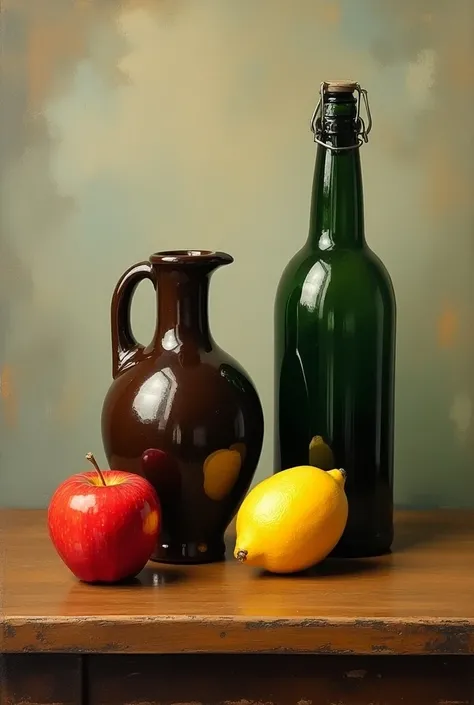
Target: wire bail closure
{"x":362,"y":129}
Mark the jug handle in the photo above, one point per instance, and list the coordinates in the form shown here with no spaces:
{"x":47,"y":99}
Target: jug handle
{"x":125,"y":348}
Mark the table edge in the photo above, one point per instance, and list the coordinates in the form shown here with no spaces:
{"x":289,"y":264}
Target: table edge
{"x":209,"y":634}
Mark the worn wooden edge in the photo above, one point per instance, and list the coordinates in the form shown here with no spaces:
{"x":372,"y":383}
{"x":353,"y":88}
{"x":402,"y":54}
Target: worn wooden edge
{"x":202,"y":634}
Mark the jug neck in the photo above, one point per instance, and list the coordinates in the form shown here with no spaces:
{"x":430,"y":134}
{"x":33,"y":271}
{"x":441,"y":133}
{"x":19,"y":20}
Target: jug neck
{"x":182,"y":286}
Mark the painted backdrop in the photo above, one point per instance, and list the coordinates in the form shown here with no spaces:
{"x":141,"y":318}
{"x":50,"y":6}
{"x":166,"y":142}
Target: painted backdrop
{"x":133,"y":126}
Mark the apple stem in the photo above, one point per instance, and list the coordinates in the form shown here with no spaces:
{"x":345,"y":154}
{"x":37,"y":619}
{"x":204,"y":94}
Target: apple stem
{"x":92,"y":460}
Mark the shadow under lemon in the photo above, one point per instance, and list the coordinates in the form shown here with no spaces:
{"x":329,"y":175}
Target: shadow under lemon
{"x":301,"y":593}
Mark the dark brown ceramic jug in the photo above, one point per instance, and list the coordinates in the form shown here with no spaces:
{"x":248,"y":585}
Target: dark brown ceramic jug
{"x":181,"y":411}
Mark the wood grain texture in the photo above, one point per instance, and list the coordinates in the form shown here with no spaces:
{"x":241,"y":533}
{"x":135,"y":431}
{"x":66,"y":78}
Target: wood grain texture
{"x":276,"y":680}
{"x":419,"y":600}
{"x":41,"y":679}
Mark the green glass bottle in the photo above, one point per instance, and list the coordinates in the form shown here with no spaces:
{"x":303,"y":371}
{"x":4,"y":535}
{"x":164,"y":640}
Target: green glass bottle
{"x":335,"y":334}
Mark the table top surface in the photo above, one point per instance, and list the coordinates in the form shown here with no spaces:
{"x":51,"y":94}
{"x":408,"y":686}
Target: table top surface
{"x":419,"y":599}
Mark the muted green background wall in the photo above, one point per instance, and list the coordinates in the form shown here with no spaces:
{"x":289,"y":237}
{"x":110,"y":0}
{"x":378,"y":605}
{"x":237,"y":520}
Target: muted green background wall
{"x":129,"y":127}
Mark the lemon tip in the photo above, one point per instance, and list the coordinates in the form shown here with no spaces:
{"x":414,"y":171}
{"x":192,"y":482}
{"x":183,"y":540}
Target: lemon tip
{"x":338,"y":474}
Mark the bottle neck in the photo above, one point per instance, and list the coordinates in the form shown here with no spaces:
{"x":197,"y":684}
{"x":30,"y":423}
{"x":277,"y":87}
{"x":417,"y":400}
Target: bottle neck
{"x":182,"y":305}
{"x":337,"y":211}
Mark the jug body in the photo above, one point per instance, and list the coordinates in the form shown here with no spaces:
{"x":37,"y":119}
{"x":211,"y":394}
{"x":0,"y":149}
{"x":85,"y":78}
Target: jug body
{"x":181,"y":411}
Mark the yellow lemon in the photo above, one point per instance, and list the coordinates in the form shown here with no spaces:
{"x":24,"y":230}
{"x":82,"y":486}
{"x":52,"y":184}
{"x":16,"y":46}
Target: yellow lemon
{"x":292,"y":520}
{"x":221,"y":470}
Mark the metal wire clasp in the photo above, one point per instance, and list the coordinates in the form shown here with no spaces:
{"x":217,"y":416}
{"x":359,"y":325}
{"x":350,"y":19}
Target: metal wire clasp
{"x":362,"y":129}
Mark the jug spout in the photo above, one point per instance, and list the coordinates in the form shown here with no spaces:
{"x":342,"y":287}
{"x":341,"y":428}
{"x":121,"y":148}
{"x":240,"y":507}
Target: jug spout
{"x":205,"y":259}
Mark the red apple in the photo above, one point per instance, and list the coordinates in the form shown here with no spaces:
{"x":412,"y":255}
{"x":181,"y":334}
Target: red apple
{"x":104,"y":524}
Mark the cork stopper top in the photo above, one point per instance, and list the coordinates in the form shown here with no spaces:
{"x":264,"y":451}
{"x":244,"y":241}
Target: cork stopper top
{"x":340,"y":86}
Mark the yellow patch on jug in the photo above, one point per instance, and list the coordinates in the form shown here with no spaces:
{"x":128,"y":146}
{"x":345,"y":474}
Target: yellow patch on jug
{"x":240,"y":448}
{"x":221,"y":470}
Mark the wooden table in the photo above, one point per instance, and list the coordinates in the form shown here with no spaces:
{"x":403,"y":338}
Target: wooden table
{"x":398,"y":629}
